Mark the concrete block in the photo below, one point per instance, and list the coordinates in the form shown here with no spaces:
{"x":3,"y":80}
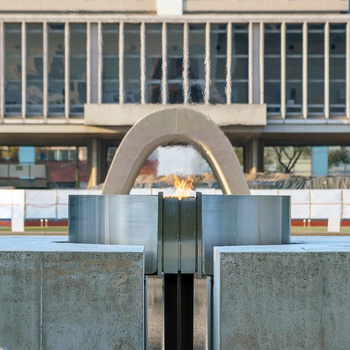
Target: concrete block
{"x":19,"y":300}
{"x":70,"y":296}
{"x":282,"y":297}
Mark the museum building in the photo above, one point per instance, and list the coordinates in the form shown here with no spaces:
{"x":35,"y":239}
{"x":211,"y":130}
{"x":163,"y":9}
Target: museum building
{"x":82,"y":73}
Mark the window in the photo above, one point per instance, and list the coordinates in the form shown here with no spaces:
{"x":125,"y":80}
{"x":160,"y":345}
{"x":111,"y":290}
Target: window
{"x":272,"y":68}
{"x":132,"y":72}
{"x":239,"y":64}
{"x":110,"y":57}
{"x":56,"y":68}
{"x":218,"y":54}
{"x":315,"y":62}
{"x":337,"y":70}
{"x":196,"y":70}
{"x":77,"y":93}
{"x":13,"y":69}
{"x":34,"y":69}
{"x":175,"y":63}
{"x":153,"y":63}
{"x":294,"y":70}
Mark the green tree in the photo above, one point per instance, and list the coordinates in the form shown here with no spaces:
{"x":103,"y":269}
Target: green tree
{"x":288,"y":156}
{"x":239,"y":154}
{"x":338,"y":156}
{"x":9,"y":154}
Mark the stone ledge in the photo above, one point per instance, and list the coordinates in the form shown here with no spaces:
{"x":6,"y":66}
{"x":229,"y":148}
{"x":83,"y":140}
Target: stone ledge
{"x":130,"y":114}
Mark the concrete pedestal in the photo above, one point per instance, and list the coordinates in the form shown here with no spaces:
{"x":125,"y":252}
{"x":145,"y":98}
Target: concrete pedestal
{"x":283,"y":297}
{"x":70,"y":296}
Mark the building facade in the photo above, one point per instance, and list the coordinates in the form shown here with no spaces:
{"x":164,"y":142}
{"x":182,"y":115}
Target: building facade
{"x":75,"y":73}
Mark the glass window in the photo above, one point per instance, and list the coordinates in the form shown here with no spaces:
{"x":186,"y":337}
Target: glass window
{"x":56,"y":68}
{"x":196,"y":70}
{"x":153,"y":63}
{"x":72,"y":155}
{"x":315,"y":61}
{"x":77,"y":93}
{"x":239,"y":64}
{"x":132,"y":83}
{"x":175,"y":63}
{"x":337,"y":70}
{"x":34,"y":37}
{"x":110,"y":57}
{"x":294,"y":70}
{"x":272,"y":68}
{"x":13,"y":68}
{"x":64,"y":154}
{"x":54,"y":154}
{"x":218,"y":54}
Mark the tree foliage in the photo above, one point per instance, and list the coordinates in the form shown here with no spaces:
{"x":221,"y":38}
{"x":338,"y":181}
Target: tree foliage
{"x":288,"y":156}
{"x":338,"y":156}
{"x":239,"y":154}
{"x":9,"y":154}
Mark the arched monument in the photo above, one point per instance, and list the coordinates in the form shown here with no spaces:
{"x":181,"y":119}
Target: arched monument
{"x":175,"y":125}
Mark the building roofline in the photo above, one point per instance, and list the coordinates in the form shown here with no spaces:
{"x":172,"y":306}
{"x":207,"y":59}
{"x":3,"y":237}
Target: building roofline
{"x":136,"y":18}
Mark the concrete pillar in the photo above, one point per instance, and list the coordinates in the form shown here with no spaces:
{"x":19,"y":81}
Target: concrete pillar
{"x":254,"y":157}
{"x":256,"y":63}
{"x":94,"y":157}
{"x":94,"y":63}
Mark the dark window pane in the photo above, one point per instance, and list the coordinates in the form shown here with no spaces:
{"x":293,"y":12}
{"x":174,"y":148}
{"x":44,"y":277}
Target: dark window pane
{"x":56,"y":68}
{"x":77,"y":93}
{"x":13,"y":68}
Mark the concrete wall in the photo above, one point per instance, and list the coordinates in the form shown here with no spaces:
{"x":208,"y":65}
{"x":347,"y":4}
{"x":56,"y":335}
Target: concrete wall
{"x":79,"y":5}
{"x":283,"y":297}
{"x":188,"y":5}
{"x":70,"y":296}
{"x":129,"y":114}
{"x":265,"y":6}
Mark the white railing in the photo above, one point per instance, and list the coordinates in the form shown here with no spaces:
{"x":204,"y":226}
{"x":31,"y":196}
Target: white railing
{"x":53,"y":204}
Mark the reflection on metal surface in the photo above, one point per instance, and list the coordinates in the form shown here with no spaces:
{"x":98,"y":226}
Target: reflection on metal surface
{"x":122,"y":220}
{"x":178,"y":235}
{"x":243,"y":220}
{"x":201,"y":223}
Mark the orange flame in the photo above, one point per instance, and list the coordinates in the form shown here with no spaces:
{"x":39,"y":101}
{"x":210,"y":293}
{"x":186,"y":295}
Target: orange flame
{"x":183,"y":186}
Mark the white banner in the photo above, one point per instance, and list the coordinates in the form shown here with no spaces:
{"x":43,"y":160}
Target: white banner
{"x":5,"y":204}
{"x":264,"y":192}
{"x":62,"y":201}
{"x":346,"y":204}
{"x":325,"y":211}
{"x":297,"y":196}
{"x":325,"y":203}
{"x":300,"y":211}
{"x":53,"y":204}
{"x":41,"y":204}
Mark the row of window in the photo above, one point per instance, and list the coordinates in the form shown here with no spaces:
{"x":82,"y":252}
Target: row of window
{"x":202,"y":65}
{"x":316,"y":67}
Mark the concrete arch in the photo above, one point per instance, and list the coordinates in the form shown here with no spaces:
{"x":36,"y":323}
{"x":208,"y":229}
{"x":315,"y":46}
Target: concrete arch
{"x":175,"y":125}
